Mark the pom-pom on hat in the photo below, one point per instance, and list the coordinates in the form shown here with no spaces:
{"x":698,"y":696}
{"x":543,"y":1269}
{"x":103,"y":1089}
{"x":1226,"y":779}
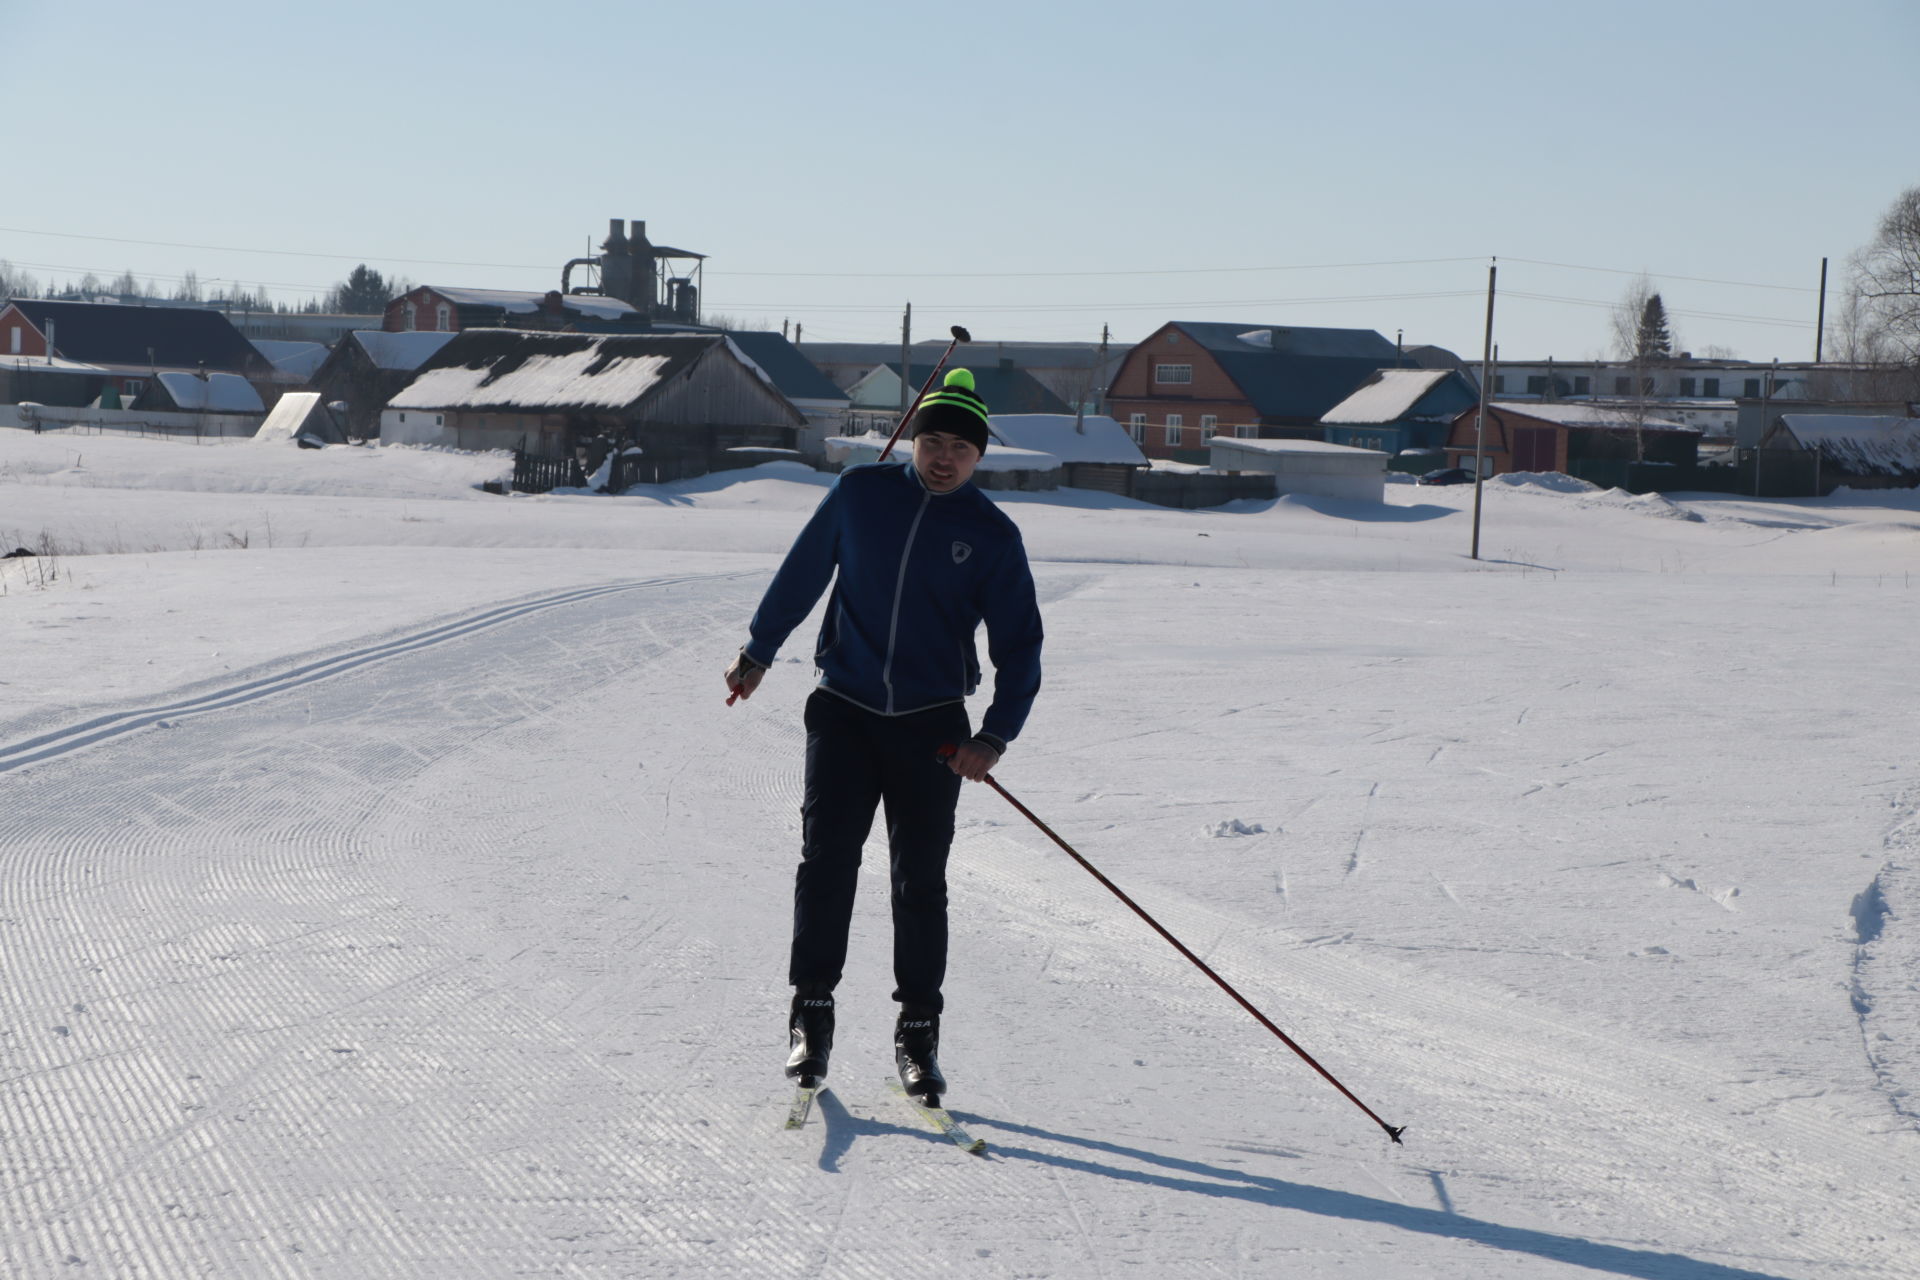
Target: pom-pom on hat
{"x":956,"y":409}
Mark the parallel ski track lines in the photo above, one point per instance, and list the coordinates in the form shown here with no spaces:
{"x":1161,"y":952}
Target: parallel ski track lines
{"x":244,"y":845}
{"x":47,"y":746}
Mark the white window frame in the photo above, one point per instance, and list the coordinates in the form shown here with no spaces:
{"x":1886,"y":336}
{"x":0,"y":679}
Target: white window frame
{"x":1138,"y":423}
{"x":1176,"y":424}
{"x":1172,"y":375}
{"x":442,"y":317}
{"x":16,"y":340}
{"x":1246,"y":431}
{"x":412,"y":318}
{"x":1209,"y":426}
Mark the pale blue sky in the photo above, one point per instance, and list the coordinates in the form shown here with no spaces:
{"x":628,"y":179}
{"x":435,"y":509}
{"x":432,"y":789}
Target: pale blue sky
{"x":835,"y":159}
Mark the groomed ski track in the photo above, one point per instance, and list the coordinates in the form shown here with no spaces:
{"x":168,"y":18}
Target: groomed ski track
{"x":458,"y":954}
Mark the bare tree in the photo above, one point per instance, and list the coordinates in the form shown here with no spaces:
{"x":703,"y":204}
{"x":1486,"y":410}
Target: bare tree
{"x":1885,"y":284}
{"x":15,"y":283}
{"x":1643,"y":340}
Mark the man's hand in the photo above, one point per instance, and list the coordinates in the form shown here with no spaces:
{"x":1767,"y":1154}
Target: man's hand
{"x":744,"y":676}
{"x":973,"y":760}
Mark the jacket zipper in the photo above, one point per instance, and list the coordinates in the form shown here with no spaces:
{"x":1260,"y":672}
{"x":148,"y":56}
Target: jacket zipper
{"x":899,"y":588}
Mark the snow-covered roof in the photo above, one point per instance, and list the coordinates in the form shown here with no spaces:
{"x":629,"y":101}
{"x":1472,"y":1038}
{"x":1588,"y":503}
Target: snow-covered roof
{"x":1860,"y":445}
{"x":404,"y":351}
{"x":1389,"y":397}
{"x":1289,"y":446}
{"x":513,"y":369}
{"x":1103,"y":441}
{"x":851,"y":450}
{"x":216,"y":393}
{"x":521,"y":302}
{"x":298,"y":359}
{"x":562,"y":381}
{"x":1587,"y":415}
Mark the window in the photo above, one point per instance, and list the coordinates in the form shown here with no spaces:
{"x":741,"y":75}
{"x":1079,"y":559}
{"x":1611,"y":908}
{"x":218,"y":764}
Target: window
{"x":1753,"y":389}
{"x":16,"y":339}
{"x":1499,"y":383}
{"x":1175,"y":421}
{"x":411,"y":324}
{"x":403,"y":412}
{"x":439,"y":419}
{"x":1582,"y":385}
{"x":1138,"y":423}
{"x":443,"y":317}
{"x":1172,"y":374}
{"x":1536,"y":384}
{"x":1623,"y":386}
{"x":1686,"y":386}
{"x":133,"y":386}
{"x":1209,"y":425}
{"x":1709,"y":386}
{"x":1246,"y":431}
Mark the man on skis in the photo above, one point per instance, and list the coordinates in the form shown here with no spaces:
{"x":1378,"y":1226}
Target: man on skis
{"x":918,"y":558}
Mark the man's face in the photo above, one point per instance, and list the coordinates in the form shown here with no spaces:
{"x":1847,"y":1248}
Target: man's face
{"x":944,"y":461}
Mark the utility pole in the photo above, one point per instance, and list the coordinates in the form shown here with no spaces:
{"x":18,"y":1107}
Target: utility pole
{"x":1480,"y":419}
{"x":1820,"y":322}
{"x":906,"y":369}
{"x":1086,"y":389}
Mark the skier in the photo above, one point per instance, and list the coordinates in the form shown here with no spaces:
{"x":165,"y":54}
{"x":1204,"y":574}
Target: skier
{"x":919,"y":557}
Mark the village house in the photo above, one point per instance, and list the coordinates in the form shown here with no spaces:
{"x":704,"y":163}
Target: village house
{"x":1859,"y":452}
{"x":1593,"y":442}
{"x":877,"y":396}
{"x":811,"y":391}
{"x":1075,"y":372}
{"x":112,"y":348}
{"x":1400,"y":409}
{"x":683,"y":400}
{"x":1189,"y":381}
{"x":369,"y":367}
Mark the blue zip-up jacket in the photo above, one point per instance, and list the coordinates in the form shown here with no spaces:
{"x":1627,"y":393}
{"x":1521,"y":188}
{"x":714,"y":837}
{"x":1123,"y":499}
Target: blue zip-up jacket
{"x":918,"y":573}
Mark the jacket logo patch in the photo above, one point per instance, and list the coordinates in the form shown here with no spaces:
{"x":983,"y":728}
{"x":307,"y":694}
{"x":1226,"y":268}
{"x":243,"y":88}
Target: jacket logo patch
{"x":960,"y":552}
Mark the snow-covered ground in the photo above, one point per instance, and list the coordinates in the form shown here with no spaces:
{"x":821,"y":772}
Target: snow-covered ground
{"x":387,"y":891}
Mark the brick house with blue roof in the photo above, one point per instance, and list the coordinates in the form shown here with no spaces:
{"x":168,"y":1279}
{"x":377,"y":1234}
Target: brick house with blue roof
{"x":1191,"y":380}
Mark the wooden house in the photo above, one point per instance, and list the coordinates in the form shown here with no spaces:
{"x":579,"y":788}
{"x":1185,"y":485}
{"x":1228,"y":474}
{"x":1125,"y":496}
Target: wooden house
{"x":369,"y":367}
{"x":683,"y":399}
{"x":1858,"y":452}
{"x":1190,"y":381}
{"x":1539,"y":436}
{"x":1397,"y":409}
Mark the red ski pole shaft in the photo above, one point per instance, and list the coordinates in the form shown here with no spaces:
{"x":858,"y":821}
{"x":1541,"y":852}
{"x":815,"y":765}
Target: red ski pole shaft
{"x":1197,"y":962}
{"x":960,"y":335}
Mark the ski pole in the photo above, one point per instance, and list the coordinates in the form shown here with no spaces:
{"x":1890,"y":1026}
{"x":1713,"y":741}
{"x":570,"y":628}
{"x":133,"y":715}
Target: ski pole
{"x":1182,"y":948}
{"x":960,"y":335}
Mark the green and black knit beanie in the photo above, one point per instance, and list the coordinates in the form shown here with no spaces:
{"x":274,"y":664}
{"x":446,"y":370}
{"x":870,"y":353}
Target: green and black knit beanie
{"x":956,"y":409}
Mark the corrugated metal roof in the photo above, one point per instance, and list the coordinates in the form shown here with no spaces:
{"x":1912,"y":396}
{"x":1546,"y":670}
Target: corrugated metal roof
{"x":216,"y":393}
{"x":108,"y":333}
{"x":1862,"y":446}
{"x":792,"y":372}
{"x":404,"y":351}
{"x":1587,"y":415}
{"x":508,"y":369}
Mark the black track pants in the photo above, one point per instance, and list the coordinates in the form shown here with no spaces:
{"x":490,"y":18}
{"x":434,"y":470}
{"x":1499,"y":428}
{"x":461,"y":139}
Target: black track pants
{"x":857,"y":760}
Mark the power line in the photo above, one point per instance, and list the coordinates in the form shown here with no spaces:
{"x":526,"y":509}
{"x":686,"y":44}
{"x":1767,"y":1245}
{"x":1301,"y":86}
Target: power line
{"x":283,"y":253}
{"x":1662,"y":275}
{"x":922,"y":275}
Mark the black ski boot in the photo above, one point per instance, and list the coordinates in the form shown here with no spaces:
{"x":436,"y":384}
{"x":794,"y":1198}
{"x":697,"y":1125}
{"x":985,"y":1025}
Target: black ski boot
{"x":916,"y":1042}
{"x":810,"y":1031}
